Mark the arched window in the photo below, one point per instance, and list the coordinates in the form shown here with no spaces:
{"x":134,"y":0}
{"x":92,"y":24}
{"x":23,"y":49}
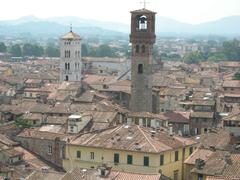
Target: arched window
{"x":75,"y":54}
{"x":137,"y":48}
{"x":140,"y":68}
{"x":66,"y":66}
{"x":142,"y":22}
{"x":69,"y":54}
{"x":143,"y":48}
{"x":78,"y":53}
{"x":66,"y":78}
{"x":75,"y":65}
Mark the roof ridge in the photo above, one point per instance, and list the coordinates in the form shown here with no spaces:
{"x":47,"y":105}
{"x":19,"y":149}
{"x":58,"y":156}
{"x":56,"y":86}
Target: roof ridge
{"x":147,"y":139}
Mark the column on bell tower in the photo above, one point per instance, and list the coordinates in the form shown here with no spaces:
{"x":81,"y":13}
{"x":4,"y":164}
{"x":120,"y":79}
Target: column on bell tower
{"x":142,"y":38}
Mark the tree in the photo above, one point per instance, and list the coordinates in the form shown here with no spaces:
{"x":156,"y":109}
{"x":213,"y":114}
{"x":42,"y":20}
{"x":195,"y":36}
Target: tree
{"x":104,"y":51}
{"x":16,"y":50}
{"x":231,"y":49}
{"x":32,"y":50}
{"x":52,"y":51}
{"x":194,"y":57}
{"x":237,"y":76}
{"x":22,"y":123}
{"x":84,"y":50}
{"x":3,"y":47}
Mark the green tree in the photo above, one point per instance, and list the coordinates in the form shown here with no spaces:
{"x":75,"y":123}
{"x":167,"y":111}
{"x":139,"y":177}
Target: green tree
{"x":231,"y":49}
{"x":84,"y":50}
{"x":104,"y":51}
{"x":194,"y":57}
{"x":32,"y":50}
{"x":237,"y":75}
{"x":52,"y":51}
{"x":3,"y":47}
{"x":16,"y":50}
{"x":22,"y":123}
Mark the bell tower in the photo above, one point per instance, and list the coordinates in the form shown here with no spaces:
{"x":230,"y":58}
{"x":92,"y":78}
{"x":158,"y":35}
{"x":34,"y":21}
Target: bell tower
{"x":71,"y":59}
{"x":142,"y":38}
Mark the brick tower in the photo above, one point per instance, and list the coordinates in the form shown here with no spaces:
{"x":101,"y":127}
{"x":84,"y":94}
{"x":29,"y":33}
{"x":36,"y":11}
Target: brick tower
{"x":142,"y":38}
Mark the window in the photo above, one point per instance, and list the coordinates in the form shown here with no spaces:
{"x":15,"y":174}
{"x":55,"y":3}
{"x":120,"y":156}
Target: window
{"x":66,"y":79}
{"x":92,"y":155}
{"x":140,"y":69}
{"x":161,"y":159}
{"x":49,"y":150}
{"x":200,"y":177}
{"x":176,"y":155}
{"x":129,"y":159}
{"x":116,"y":158}
{"x":142,"y":23}
{"x":143,"y":49}
{"x":137,"y":48}
{"x":146,"y":161}
{"x":78,"y":154}
{"x":175,"y":175}
{"x":66,"y":66}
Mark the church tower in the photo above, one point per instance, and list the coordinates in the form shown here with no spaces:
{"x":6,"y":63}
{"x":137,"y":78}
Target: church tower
{"x":142,"y":38}
{"x":70,"y":60}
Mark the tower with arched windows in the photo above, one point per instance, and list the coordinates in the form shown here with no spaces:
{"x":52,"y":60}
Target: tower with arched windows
{"x":71,"y":60}
{"x":142,"y":38}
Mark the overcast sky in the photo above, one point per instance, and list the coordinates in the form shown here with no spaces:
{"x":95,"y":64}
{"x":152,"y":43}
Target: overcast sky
{"x":190,"y":11}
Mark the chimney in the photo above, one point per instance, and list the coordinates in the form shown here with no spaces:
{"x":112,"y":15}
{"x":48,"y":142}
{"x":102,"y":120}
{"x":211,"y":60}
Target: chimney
{"x":170,"y":130}
{"x":227,"y":159}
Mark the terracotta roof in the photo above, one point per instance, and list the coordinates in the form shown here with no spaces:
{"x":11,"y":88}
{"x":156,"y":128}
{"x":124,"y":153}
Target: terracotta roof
{"x":45,"y":176}
{"x":78,"y":173}
{"x":230,"y":64}
{"x":125,"y":137}
{"x":232,"y":95}
{"x":220,"y":139}
{"x":33,"y":81}
{"x":99,"y":80}
{"x":71,"y":35}
{"x":232,"y":83}
{"x":5,"y":140}
{"x":233,"y":117}
{"x":35,"y":134}
{"x":221,"y":164}
{"x":178,"y":117}
{"x":143,"y":10}
{"x":12,"y":153}
{"x":201,"y":153}
{"x":30,"y":158}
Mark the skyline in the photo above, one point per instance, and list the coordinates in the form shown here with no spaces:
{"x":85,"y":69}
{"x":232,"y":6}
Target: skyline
{"x":187,"y":11}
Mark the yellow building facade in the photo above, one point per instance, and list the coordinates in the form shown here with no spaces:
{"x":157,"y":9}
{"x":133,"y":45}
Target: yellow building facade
{"x":169,"y":163}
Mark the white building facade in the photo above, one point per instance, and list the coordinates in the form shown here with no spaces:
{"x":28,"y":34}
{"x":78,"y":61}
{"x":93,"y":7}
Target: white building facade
{"x":71,"y":58}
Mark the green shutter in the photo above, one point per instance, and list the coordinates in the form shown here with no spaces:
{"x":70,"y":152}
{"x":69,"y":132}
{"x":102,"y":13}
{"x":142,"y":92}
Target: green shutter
{"x":161,"y":159}
{"x":116,"y":158}
{"x":146,"y":161}
{"x":129,"y":159}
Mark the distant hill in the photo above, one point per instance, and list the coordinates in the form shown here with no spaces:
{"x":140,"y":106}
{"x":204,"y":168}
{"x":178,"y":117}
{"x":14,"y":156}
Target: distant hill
{"x":86,"y":27}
